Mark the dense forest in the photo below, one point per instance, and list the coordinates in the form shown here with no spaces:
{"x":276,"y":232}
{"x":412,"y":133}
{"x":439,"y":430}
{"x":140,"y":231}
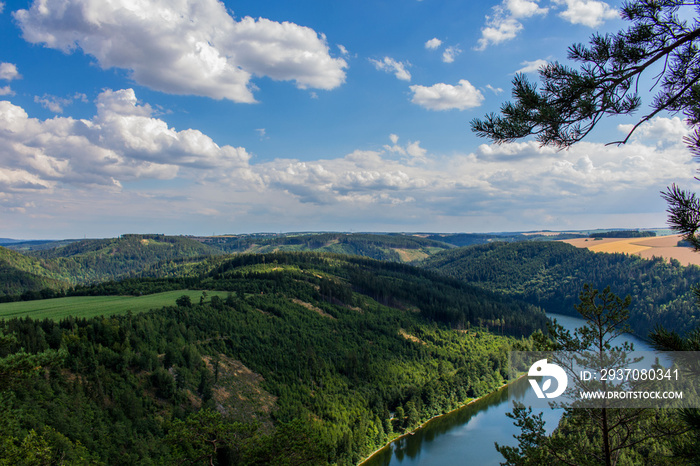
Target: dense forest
{"x":552,"y":274}
{"x":312,"y":358}
{"x":57,"y":265}
{"x":391,"y":247}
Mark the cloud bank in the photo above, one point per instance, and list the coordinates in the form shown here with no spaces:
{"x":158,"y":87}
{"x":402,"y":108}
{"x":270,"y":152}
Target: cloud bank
{"x":123,"y":145}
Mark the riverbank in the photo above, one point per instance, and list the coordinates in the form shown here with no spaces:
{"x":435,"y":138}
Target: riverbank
{"x":433,"y":419}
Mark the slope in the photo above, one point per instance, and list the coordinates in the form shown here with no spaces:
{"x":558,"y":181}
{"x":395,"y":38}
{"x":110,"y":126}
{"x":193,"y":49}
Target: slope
{"x":20,"y":274}
{"x":310,"y":359}
{"x":392,"y":247}
{"x":552,"y":274}
{"x":95,"y":260}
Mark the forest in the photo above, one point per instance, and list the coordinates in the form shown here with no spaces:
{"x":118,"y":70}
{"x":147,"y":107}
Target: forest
{"x":283,"y":357}
{"x":552,"y":274}
{"x":310,"y":359}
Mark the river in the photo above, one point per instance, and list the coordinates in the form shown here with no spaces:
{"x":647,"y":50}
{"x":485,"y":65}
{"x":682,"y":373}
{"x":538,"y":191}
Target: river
{"x":467,"y":436}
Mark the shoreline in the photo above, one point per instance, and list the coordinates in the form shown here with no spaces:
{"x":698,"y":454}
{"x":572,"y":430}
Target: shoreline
{"x":413,"y":431}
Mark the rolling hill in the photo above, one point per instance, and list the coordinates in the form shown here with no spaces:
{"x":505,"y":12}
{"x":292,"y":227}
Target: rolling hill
{"x":312,"y":358}
{"x":20,"y":274}
{"x":552,"y":274}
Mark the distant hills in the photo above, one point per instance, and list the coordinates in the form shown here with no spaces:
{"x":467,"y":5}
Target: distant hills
{"x":527,"y":266}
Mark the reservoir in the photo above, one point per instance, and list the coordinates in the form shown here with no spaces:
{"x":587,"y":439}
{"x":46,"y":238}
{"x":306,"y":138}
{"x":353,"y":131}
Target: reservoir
{"x":467,"y":436}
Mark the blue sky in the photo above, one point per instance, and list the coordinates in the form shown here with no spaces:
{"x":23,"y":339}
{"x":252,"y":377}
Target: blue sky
{"x":201,"y":117}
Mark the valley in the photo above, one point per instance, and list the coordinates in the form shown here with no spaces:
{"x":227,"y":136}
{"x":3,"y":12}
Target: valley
{"x":141,"y":343}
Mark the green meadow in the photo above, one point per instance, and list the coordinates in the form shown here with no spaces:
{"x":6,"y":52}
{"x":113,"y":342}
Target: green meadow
{"x":90,"y":306}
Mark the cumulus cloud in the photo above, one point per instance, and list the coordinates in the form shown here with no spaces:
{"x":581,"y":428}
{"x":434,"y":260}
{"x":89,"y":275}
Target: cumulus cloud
{"x":122,"y":142}
{"x":448,"y":56}
{"x":413,"y":153}
{"x":503,"y":24}
{"x":185,"y":47}
{"x":85,"y":165}
{"x":591,"y":13}
{"x":659,"y":130}
{"x":433,"y":44}
{"x":8,"y":71}
{"x":531,"y":66}
{"x":389,"y":65}
{"x":5,"y":90}
{"x":443,"y":96}
{"x":57,"y":104}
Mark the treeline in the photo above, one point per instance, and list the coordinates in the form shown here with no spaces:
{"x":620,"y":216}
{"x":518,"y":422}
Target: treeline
{"x":90,"y":261}
{"x":349,"y":361}
{"x":376,"y":246}
{"x":471,"y":239}
{"x":552,"y":274}
{"x":624,"y":234}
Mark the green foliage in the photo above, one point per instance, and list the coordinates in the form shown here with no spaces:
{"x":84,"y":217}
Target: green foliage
{"x":624,"y":234}
{"x":376,"y":246}
{"x":303,"y":362}
{"x":551,"y":275}
{"x":571,"y":101}
{"x":19,"y":274}
{"x":530,"y":451}
{"x":601,"y":435}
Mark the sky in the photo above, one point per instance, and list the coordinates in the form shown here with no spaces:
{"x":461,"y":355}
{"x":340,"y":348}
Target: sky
{"x":204,"y":117}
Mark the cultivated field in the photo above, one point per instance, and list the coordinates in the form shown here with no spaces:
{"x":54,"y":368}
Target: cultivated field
{"x":90,"y":306}
{"x":658,"y":246}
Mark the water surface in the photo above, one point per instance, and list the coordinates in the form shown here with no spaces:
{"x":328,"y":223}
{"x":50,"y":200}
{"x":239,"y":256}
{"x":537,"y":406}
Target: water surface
{"x":467,"y":436}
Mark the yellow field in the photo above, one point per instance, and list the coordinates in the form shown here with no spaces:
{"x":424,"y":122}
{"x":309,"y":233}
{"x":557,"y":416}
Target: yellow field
{"x":657,"y":246}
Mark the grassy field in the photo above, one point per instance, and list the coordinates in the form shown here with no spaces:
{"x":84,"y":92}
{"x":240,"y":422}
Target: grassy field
{"x":89,"y":306}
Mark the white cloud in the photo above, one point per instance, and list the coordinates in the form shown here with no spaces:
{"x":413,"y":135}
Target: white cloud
{"x":390,"y":65}
{"x":343,"y":50}
{"x":122,"y":142}
{"x":433,"y":44}
{"x":448,"y":56}
{"x":591,"y":13}
{"x":5,"y":90}
{"x":2,"y":7}
{"x":185,"y":47}
{"x":443,"y":96}
{"x":495,"y":90}
{"x":53,"y":103}
{"x":531,"y":66}
{"x":503,"y":24}
{"x":8,"y":71}
{"x":659,"y":130}
{"x":63,"y":169}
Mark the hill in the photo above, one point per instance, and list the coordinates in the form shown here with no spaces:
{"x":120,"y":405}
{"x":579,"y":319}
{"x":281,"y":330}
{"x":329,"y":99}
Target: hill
{"x":472,"y":239}
{"x":391,"y":247}
{"x":97,"y":260}
{"x":94,"y":260}
{"x":310,"y":359}
{"x":20,"y":274}
{"x":552,"y":274}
